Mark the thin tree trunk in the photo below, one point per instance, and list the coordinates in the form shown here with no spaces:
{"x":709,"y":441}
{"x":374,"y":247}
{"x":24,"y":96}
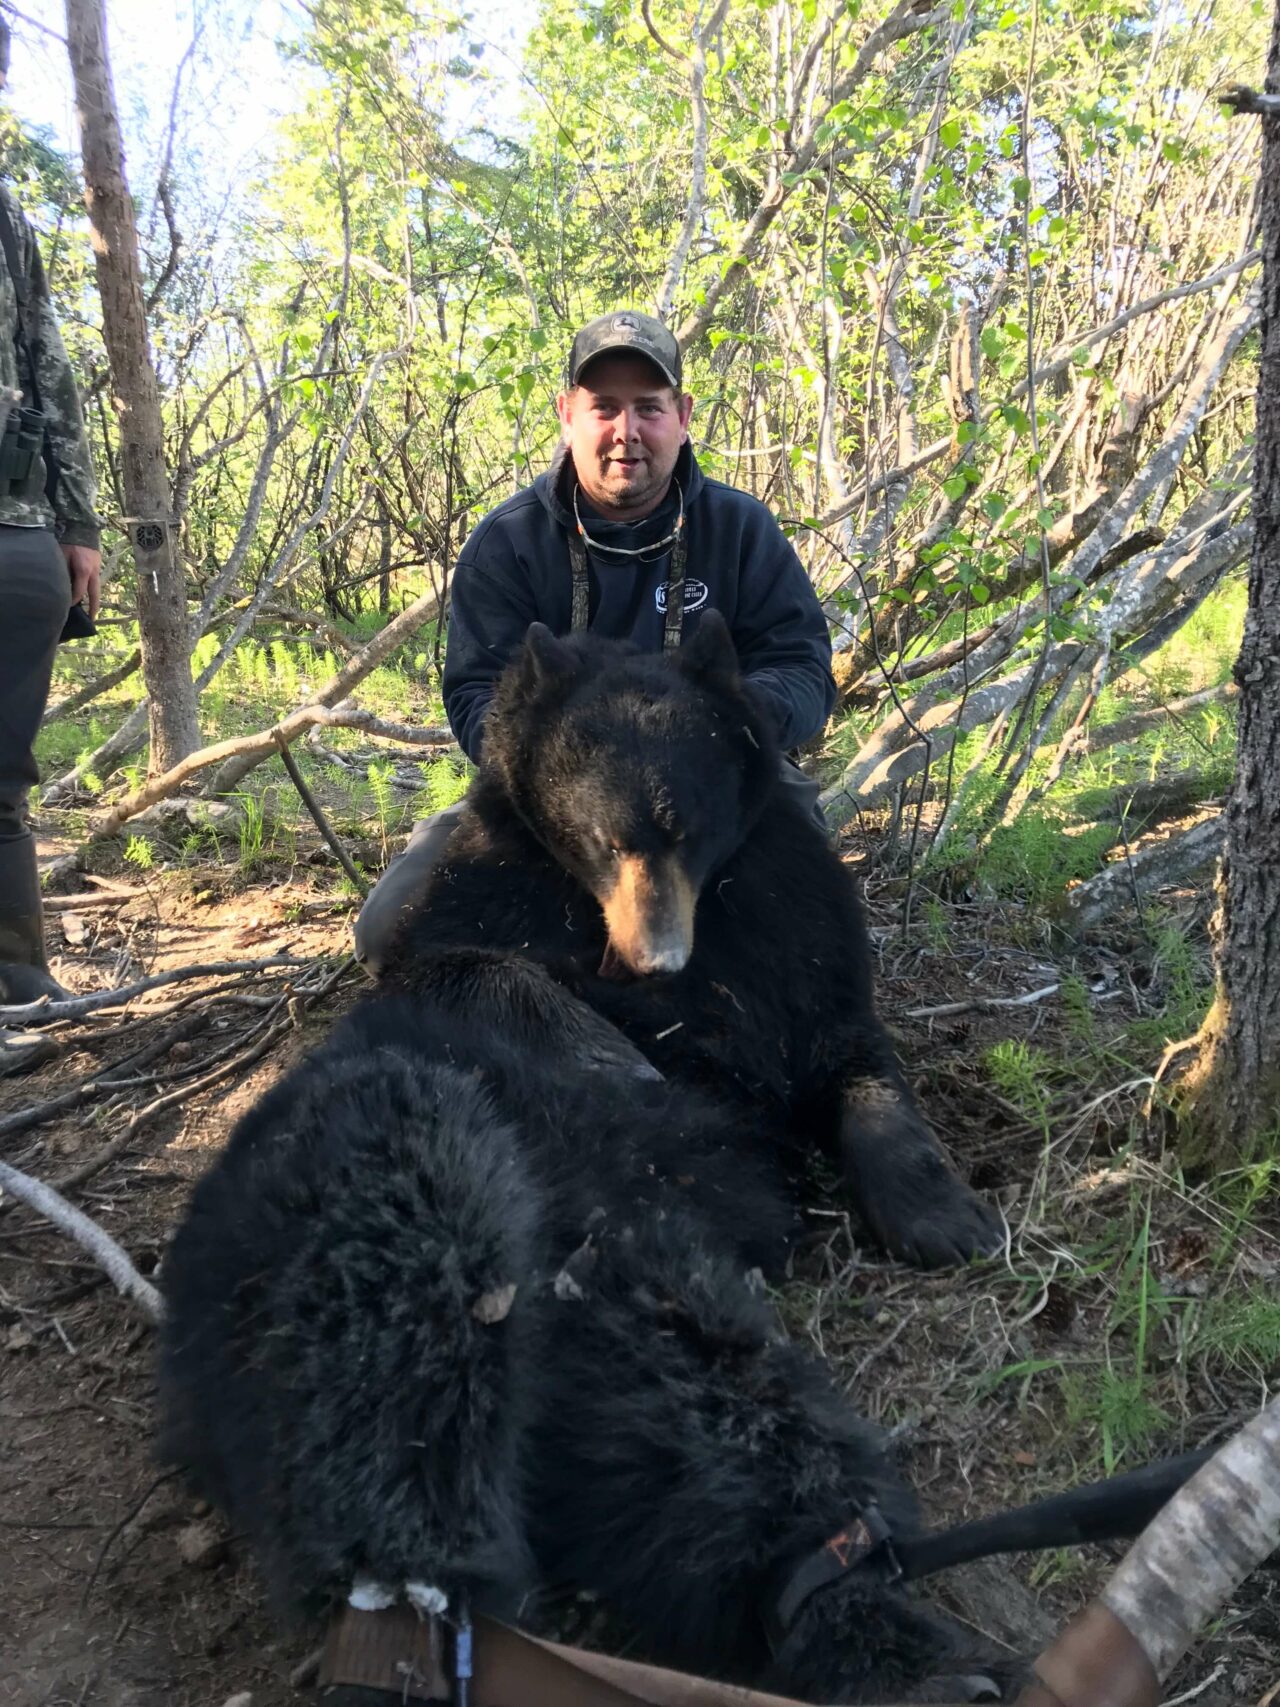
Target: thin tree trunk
{"x":1232,"y":1087}
{"x":162,"y":605}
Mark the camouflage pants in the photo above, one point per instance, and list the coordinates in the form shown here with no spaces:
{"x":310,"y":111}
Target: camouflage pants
{"x":35,"y":594}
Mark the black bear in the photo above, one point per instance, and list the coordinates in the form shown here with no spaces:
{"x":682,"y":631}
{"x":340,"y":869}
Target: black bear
{"x":464,"y":1307}
{"x":628,"y":831}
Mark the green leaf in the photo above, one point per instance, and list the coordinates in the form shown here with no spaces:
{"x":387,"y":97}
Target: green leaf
{"x":1021,"y":189}
{"x":949,"y":134}
{"x":995,"y":505}
{"x":955,"y":488}
{"x":979,"y":593}
{"x":1007,"y":20}
{"x":992,"y":343}
{"x":525,"y":383}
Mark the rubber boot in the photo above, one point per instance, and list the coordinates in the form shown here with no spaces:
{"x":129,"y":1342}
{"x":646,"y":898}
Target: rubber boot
{"x":24,"y":971}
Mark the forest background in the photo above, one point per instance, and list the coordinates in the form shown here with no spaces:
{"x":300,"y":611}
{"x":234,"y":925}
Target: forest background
{"x":969,"y":296}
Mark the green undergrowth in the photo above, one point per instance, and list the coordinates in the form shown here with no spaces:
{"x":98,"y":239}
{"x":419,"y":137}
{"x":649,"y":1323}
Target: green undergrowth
{"x":266,"y":679}
{"x":1054,"y":835}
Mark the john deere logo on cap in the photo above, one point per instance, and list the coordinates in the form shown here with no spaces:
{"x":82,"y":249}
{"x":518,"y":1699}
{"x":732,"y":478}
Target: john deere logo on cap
{"x":625,"y":323}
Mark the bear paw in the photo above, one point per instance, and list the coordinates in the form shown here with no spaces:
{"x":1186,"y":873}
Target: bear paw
{"x":939,"y":1228}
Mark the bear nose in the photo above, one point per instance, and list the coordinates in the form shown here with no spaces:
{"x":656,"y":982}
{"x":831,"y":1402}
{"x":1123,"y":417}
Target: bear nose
{"x":660,"y":956}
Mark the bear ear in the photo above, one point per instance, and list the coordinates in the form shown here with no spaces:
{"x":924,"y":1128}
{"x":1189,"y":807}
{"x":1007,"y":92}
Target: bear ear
{"x":710,"y":655}
{"x":546,"y":659}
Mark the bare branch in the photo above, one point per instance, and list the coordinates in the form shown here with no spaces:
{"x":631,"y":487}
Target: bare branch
{"x":698,"y":184}
{"x":412,"y":734}
{"x":646,"y":11}
{"x":1058,"y":359}
{"x":87,"y":1234}
{"x":92,"y":690}
{"x":906,"y":19}
{"x":238,"y":757}
{"x":1134,"y":876}
{"x":76,"y":1007}
{"x":322,"y":824}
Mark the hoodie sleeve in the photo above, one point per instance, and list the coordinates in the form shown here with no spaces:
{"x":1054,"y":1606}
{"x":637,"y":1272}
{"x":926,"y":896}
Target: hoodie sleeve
{"x":781,"y":635}
{"x":490,"y":609}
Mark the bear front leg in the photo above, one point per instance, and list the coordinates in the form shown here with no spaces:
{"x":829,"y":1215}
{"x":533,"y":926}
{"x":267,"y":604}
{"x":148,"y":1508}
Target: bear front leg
{"x":903,"y":1186}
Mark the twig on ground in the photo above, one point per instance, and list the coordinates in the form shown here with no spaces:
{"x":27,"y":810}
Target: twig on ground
{"x":35,"y":1114}
{"x":87,"y":1234}
{"x":78,"y":903}
{"x":74,"y":1007}
{"x":107,"y":1154}
{"x":119,"y":1529}
{"x":982,"y":1004}
{"x":322,"y":823}
{"x":1197,"y":1689}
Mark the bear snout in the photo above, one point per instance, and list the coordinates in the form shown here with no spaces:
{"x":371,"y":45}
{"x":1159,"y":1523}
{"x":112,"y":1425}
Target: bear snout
{"x":649,"y":913}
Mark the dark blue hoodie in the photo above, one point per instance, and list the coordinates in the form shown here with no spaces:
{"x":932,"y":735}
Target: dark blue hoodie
{"x":515,"y":570}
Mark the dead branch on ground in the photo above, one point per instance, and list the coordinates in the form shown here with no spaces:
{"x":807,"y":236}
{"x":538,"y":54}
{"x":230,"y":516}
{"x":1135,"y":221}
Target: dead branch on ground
{"x":75,"y":1007}
{"x":88,"y":1235}
{"x":1132,"y":878}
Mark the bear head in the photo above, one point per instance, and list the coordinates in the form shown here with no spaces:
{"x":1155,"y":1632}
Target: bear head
{"x":640,"y":774}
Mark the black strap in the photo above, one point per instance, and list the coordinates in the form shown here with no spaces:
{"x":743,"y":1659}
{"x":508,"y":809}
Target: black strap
{"x":864,"y":1539}
{"x":673,"y":592}
{"x":1115,"y":1509}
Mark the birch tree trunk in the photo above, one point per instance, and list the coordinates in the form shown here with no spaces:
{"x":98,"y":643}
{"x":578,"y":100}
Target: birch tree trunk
{"x":1231,"y":1091}
{"x":162,"y":605}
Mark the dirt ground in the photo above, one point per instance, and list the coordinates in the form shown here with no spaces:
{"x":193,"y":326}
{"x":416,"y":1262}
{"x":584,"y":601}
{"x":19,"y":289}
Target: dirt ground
{"x":119,"y":1591}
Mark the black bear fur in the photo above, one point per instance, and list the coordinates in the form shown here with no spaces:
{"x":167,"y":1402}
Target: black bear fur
{"x":345,"y":1370}
{"x":600,"y":760}
{"x":466,"y":1301}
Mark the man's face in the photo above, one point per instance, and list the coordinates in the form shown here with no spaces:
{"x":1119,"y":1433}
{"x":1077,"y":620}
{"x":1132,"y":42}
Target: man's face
{"x":624,"y":426}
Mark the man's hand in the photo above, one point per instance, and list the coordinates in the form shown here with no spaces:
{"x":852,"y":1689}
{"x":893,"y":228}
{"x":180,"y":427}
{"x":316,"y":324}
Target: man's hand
{"x":84,"y":564}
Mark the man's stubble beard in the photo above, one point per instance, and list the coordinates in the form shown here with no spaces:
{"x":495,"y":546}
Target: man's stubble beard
{"x":621,"y":500}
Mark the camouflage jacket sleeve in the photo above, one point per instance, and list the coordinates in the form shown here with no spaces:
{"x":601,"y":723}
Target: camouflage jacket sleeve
{"x":74,"y":517}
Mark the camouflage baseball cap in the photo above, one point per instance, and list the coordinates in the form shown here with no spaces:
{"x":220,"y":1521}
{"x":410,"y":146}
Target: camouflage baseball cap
{"x":630,"y":333}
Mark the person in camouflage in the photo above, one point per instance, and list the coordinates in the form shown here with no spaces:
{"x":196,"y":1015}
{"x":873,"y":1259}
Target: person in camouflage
{"x":49,"y":560}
